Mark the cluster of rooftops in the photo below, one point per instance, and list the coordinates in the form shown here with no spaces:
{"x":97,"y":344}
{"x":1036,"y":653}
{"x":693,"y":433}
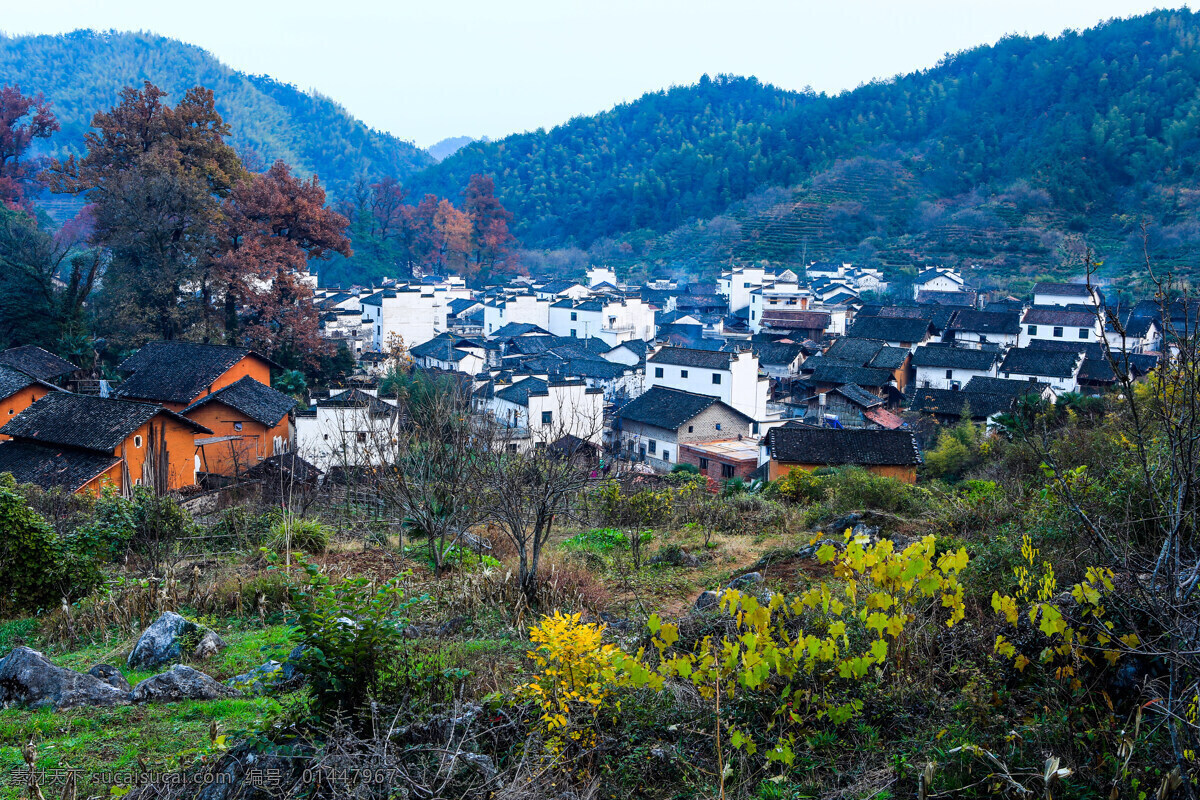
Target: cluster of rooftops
{"x":806,"y":372}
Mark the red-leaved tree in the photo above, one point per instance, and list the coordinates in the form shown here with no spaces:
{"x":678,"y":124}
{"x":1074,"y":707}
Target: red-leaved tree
{"x":22,"y":119}
{"x":273,"y":224}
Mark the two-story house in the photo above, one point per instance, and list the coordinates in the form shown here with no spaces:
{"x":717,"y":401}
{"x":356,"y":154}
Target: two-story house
{"x":176,"y":374}
{"x":731,"y":377}
{"x":82,"y":444}
{"x":652,"y":427}
{"x":943,"y":366}
{"x":250,"y":422}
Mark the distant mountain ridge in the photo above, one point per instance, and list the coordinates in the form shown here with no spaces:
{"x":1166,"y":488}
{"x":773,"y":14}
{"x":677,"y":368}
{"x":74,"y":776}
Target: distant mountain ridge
{"x":84,"y":71}
{"x":1013,"y":155}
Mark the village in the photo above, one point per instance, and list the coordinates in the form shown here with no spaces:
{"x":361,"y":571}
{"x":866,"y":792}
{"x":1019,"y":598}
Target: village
{"x":765,"y":371}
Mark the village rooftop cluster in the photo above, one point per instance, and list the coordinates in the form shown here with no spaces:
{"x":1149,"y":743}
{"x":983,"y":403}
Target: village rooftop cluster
{"x":764,"y":371}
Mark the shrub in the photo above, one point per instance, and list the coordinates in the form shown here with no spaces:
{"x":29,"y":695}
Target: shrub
{"x":159,"y":523}
{"x":685,"y":469}
{"x":854,"y":488}
{"x":800,"y":486}
{"x":353,"y":633}
{"x":597,"y":540}
{"x":36,"y":569}
{"x":300,"y":533}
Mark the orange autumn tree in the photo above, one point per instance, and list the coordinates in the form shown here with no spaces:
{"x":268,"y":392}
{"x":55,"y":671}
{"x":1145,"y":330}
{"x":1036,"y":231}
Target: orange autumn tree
{"x":273,"y":224}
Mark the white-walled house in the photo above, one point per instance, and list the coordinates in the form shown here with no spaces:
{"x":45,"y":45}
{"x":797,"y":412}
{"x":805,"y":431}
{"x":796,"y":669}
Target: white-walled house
{"x":979,"y":328}
{"x":612,"y":321}
{"x":939,"y":366}
{"x":1066,"y":294}
{"x":1059,"y":324}
{"x":415,"y":313}
{"x":521,"y":308}
{"x":599,"y":275}
{"x":349,"y":429}
{"x":1059,"y":368}
{"x":732,"y":377}
{"x":450,"y":353}
{"x":536,"y":411}
{"x":556,"y":290}
{"x":938,"y":279}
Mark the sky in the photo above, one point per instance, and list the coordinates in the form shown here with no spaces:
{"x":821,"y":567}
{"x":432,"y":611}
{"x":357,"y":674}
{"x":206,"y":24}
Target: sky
{"x":439,"y":68}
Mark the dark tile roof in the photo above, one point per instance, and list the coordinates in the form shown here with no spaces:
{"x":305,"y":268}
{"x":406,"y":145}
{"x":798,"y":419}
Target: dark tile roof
{"x":439,"y":348}
{"x":963,"y":299}
{"x":669,"y":408}
{"x":357,"y":398}
{"x":949,"y":403}
{"x":858,"y":395}
{"x":998,"y":322}
{"x":1042,"y":363}
{"x":36,"y":362}
{"x":520,"y":391}
{"x":13,"y":381}
{"x":837,"y":447}
{"x":889,"y":358}
{"x":257,"y":401}
{"x":859,"y":351}
{"x":637,"y":346}
{"x":947,"y":357}
{"x":83,"y":421}
{"x":459,"y":305}
{"x":517,"y":329}
{"x":777,"y":353}
{"x":791,"y":319}
{"x":841,"y":373}
{"x":935,"y":272}
{"x":1056,"y":315}
{"x":1007,"y":387}
{"x":177,"y":372}
{"x":1064,"y":289}
{"x":687,"y":357}
{"x":890,"y":329}
{"x":289,"y":464}
{"x":53,"y":467}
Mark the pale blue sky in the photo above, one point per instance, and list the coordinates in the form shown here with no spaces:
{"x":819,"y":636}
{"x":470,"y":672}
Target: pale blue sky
{"x":428,"y":70}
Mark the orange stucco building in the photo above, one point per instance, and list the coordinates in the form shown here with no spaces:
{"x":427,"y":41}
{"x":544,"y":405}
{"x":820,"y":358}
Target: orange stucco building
{"x":178,"y":374}
{"x":893,"y":453}
{"x":18,"y":392}
{"x":82,"y":443}
{"x":250,"y":422}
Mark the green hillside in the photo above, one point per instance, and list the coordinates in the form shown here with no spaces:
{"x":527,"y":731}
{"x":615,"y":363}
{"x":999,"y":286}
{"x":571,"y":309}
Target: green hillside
{"x":84,"y":71}
{"x":1011,"y":155}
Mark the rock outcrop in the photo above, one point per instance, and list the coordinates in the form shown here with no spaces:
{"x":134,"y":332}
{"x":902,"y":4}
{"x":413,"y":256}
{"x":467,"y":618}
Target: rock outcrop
{"x":181,"y":682}
{"x":27,"y":678}
{"x":166,"y":640}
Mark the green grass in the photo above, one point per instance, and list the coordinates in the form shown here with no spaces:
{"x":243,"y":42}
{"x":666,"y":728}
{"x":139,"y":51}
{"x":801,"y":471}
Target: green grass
{"x":94,"y":741}
{"x":163,"y":737}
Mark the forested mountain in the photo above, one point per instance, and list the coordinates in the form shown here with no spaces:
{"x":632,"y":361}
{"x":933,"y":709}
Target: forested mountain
{"x":1013,"y":151}
{"x":83,"y":72}
{"x":448,"y":146}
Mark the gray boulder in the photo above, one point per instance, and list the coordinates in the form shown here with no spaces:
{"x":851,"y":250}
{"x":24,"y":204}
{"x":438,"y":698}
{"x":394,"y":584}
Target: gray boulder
{"x":180,"y":682}
{"x":707,"y":601}
{"x":162,"y":642}
{"x":27,"y":678}
{"x":210,"y":644}
{"x":259,"y":680}
{"x":110,"y":675}
{"x":291,"y":666}
{"x":168,"y":637}
{"x":745,"y":582}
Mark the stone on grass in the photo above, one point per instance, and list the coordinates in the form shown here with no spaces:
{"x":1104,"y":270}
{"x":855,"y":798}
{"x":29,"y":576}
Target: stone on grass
{"x":180,"y":682}
{"x":162,"y":642}
{"x":27,"y":678}
{"x":110,"y":675}
{"x":744,"y":582}
{"x":210,"y":644}
{"x":707,"y":601}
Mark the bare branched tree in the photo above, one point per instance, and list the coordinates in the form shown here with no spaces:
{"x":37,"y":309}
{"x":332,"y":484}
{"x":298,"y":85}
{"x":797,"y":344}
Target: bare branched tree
{"x":528,"y":480}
